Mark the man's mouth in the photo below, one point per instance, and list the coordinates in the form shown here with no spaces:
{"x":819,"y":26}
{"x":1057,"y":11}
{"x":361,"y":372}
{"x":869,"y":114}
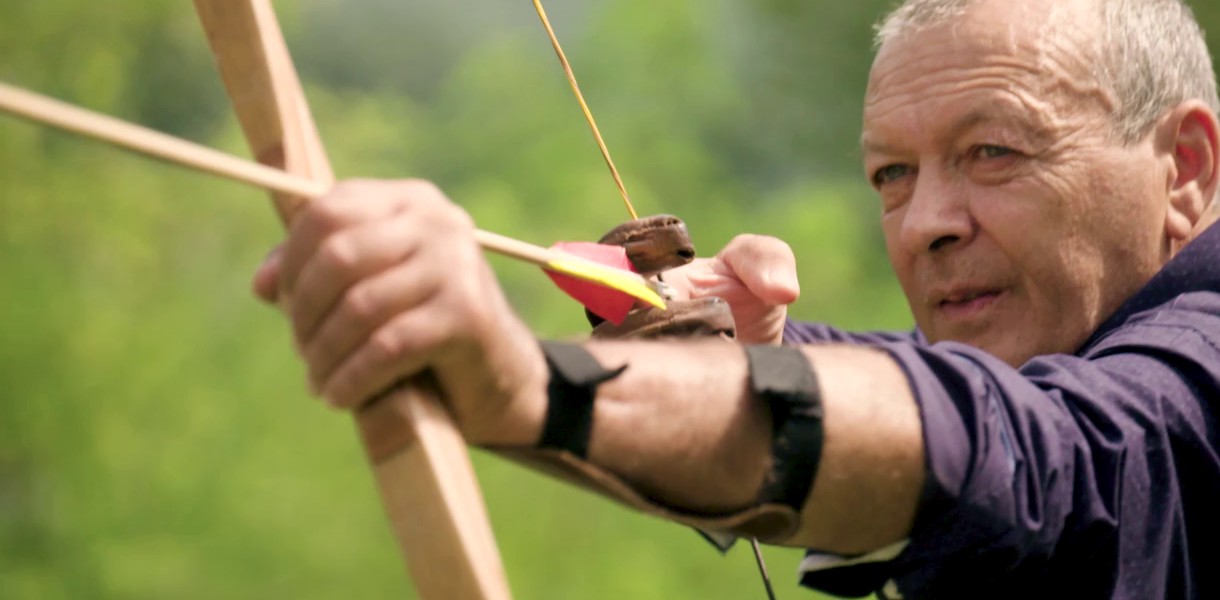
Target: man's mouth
{"x":968,"y":304}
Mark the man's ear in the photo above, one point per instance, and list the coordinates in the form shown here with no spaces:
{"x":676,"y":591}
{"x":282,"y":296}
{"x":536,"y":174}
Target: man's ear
{"x":1190,"y":135}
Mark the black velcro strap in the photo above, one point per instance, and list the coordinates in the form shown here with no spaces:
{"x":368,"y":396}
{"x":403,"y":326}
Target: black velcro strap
{"x":575,"y":375}
{"x":781,"y":376}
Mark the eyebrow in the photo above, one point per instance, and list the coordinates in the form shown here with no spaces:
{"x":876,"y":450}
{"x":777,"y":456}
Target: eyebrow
{"x":969,"y":120}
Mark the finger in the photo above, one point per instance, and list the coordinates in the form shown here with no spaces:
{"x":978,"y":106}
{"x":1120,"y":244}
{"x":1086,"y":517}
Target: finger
{"x":401,"y":348}
{"x":765,"y":265}
{"x":343,"y":260}
{"x":349,"y":204}
{"x":265,"y":281}
{"x":365,"y":308}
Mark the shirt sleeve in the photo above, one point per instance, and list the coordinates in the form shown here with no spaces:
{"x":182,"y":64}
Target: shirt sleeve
{"x":1087,"y":471}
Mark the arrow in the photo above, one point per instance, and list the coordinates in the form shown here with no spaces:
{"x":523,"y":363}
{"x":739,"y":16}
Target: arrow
{"x":600,"y":267}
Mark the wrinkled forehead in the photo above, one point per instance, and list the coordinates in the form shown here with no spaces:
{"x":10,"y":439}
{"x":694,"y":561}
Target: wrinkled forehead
{"x":1049,"y":49}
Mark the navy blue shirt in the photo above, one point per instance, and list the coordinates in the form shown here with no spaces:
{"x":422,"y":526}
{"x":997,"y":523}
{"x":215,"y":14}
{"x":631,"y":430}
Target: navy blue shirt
{"x":1090,"y":475}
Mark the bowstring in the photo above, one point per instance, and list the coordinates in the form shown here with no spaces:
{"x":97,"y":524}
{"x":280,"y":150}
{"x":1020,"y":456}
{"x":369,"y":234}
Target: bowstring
{"x":622,"y":189}
{"x":584,"y":107}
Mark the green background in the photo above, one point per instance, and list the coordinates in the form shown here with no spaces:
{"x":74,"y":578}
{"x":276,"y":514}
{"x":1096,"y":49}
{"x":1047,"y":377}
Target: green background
{"x":156,"y":440}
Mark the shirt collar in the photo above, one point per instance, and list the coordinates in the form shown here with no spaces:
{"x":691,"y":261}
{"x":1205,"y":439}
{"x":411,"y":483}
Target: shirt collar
{"x":1195,"y":268}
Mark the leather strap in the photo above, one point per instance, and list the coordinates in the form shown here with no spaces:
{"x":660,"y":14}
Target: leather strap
{"x":575,"y":375}
{"x":782,"y":376}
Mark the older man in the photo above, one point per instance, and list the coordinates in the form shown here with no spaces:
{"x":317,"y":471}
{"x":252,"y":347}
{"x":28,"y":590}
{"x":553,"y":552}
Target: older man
{"x":1053,"y":426}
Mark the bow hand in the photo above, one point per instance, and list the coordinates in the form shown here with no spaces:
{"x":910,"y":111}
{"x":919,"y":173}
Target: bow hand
{"x":383,"y":281}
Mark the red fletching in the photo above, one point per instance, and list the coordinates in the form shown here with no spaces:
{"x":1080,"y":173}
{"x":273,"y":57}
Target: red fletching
{"x":609,"y":304}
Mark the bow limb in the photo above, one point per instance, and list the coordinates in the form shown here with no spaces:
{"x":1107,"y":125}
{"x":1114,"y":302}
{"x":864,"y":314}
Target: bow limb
{"x":418,"y":457}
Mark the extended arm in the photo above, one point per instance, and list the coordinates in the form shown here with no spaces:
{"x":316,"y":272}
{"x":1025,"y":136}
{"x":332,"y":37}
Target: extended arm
{"x":383,"y":280}
{"x":683,"y":426}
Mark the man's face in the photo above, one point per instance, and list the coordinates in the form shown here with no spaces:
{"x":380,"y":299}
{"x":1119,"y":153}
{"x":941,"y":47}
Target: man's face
{"x":1014,"y":219}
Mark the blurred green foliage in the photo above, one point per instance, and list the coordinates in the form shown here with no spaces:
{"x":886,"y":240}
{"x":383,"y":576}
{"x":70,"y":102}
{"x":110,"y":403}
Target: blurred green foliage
{"x":155,"y":437}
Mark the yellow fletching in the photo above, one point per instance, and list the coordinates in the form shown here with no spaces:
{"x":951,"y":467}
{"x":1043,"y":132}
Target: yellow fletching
{"x":623,"y":281}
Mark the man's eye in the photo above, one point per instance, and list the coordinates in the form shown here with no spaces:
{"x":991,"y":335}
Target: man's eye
{"x":992,"y":151}
{"x":889,"y":174}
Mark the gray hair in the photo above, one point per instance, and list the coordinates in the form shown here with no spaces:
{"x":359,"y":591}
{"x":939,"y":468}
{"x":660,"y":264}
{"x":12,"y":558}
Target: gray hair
{"x":1153,"y":55}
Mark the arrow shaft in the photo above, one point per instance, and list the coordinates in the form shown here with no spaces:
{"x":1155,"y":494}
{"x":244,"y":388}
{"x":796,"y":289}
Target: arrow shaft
{"x":59,"y":114}
{"x":129,"y":136}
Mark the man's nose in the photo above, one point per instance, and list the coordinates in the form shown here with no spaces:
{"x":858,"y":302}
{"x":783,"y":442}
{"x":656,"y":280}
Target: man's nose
{"x":937,"y":216}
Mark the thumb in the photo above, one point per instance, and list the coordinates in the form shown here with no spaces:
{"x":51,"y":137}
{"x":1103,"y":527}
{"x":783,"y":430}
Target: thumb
{"x":765,"y":265}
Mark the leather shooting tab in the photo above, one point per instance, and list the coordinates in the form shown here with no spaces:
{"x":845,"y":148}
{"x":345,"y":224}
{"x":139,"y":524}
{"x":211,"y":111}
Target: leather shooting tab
{"x":653,"y":244}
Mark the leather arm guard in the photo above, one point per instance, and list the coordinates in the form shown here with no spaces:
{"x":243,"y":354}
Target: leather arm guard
{"x":780,"y":376}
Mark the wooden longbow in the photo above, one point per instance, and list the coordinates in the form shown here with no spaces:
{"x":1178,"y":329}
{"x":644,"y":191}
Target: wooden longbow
{"x":419,"y":459}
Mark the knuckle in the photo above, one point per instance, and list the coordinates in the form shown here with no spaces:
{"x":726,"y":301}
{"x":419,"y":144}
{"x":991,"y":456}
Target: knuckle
{"x":427,"y":195}
{"x":361,"y":304}
{"x":466,"y":319}
{"x":385,"y":346}
{"x":339,"y":254}
{"x":324,"y":215}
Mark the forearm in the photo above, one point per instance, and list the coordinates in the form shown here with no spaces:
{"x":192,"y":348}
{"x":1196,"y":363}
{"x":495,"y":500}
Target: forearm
{"x":681,"y":425}
{"x":872,"y":470}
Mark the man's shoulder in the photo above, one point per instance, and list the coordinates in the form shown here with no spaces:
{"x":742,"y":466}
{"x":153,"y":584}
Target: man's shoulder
{"x":1183,"y":333}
